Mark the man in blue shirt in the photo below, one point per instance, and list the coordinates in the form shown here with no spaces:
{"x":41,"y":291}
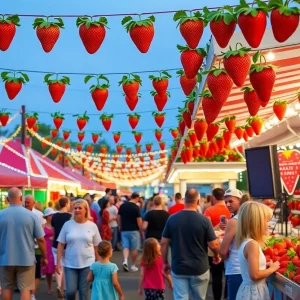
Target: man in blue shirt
{"x":18,"y":229}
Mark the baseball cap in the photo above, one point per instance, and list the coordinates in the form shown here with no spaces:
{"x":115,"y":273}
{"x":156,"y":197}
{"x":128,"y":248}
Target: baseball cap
{"x":49,"y":211}
{"x":234,"y":193}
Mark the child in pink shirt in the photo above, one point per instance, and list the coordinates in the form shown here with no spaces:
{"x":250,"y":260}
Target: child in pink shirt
{"x":152,"y":278}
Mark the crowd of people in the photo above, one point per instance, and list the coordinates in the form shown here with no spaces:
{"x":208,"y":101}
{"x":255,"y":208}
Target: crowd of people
{"x":184,"y":243}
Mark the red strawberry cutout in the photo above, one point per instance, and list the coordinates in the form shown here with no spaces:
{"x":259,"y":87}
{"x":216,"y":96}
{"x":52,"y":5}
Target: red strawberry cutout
{"x":200,"y":127}
{"x":211,"y":108}
{"x":133,"y":120}
{"x":31,"y":119}
{"x":8,"y":30}
{"x":58,"y":119}
{"x":4,"y":117}
{"x":106,"y":120}
{"x":160,"y":101}
{"x":117,"y":136}
{"x":131,"y":85}
{"x":159,"y":118}
{"x":252,"y":101}
{"x":160,"y":83}
{"x":13,"y":84}
{"x":82,"y":120}
{"x":212,"y":131}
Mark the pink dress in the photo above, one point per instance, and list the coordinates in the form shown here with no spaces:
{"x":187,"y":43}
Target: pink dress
{"x":50,"y":268}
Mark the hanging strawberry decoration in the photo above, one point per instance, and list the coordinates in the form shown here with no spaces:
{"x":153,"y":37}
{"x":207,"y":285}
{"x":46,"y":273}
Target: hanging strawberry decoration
{"x":8,"y":30}
{"x":212,"y":131}
{"x":158,"y":134}
{"x":279,"y":109}
{"x":188,"y":154}
{"x":138,"y":148}
{"x":80,"y":136}
{"x":220,"y":84}
{"x":4,"y":117}
{"x":191,"y":60}
{"x":117,"y":136}
{"x":67,"y":146}
{"x":160,"y":83}
{"x":220,"y":142}
{"x":137,"y":136}
{"x":133,"y":120}
{"x":57,"y":86}
{"x":59,"y":142}
{"x":183,"y":155}
{"x":252,"y":21}
{"x":128,"y":151}
{"x":230,"y":123}
{"x":239,"y":131}
{"x":196,"y":150}
{"x":211,"y":108}
{"x":54,"y":133}
{"x":256,"y":123}
{"x":200,"y":127}
{"x":53,"y":152}
{"x":262,"y":78}
{"x":35,"y":128}
{"x":149,"y":147}
{"x":162,"y":146}
{"x":106,"y":120}
{"x":82,"y":120}
{"x":48,"y":32}
{"x":174,"y":132}
{"x":249,"y":130}
{"x":190,"y":102}
{"x":141,"y":32}
{"x":119,"y":148}
{"x":31,"y":119}
{"x":92,"y":32}
{"x":187,"y":84}
{"x":181,"y":124}
{"x":95,"y":137}
{"x":251,"y":99}
{"x":192,"y":137}
{"x":203,"y":148}
{"x":66,"y":134}
{"x":58,"y":119}
{"x":44,"y":144}
{"x":132,"y":103}
{"x":237,"y":64}
{"x":89,"y":148}
{"x":222,"y":23}
{"x":245,"y":136}
{"x":227,"y":137}
{"x":99,"y":92}
{"x":103,"y":149}
{"x":284,"y":19}
{"x":160,"y":101}
{"x":191,"y":27}
{"x":159,"y":118}
{"x":186,"y":116}
{"x":131,"y":85}
{"x":13,"y":84}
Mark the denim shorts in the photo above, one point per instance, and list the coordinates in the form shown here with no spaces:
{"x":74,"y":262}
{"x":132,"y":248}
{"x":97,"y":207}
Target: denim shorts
{"x":131,"y":239}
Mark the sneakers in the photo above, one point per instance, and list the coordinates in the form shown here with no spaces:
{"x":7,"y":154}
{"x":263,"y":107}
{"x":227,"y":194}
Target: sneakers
{"x":33,"y":297}
{"x":134,"y":269}
{"x":125,"y":267}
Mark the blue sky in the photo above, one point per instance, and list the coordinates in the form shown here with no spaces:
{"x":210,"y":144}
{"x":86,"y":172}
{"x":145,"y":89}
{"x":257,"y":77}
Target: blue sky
{"x":117,"y":54}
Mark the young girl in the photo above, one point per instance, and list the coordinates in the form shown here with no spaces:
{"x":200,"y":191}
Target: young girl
{"x":49,"y":270}
{"x":152,"y":278}
{"x":104,"y":276}
{"x":252,"y":227}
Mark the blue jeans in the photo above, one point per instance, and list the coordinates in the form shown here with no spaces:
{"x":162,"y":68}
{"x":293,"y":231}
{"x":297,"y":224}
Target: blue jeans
{"x":114,"y":240}
{"x":233,"y":284}
{"x":76,"y":279}
{"x":194,"y":286}
{"x":131,"y":240}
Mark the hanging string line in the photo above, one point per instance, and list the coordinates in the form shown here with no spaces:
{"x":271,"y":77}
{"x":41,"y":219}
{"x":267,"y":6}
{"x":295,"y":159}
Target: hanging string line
{"x":124,"y":14}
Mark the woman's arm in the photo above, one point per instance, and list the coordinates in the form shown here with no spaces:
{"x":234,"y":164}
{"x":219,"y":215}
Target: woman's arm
{"x":251,"y":253}
{"x":228,"y":238}
{"x":105,"y":217}
{"x":117,"y":286}
{"x":97,"y":257}
{"x":90,"y":277}
{"x":145,"y":225}
{"x":169,"y":280}
{"x":140,"y":290}
{"x":60,"y":250}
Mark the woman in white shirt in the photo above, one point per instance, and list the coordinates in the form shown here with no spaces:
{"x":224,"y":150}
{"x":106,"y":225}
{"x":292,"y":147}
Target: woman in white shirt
{"x":82,"y":238}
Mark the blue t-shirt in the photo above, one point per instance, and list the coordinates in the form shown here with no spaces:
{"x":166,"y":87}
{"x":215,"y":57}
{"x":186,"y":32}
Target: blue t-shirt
{"x":102,"y":285}
{"x":18,"y":229}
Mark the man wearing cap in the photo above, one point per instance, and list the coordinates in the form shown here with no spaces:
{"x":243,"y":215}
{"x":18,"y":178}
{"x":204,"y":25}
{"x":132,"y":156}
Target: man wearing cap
{"x":228,"y":250}
{"x":18,"y":229}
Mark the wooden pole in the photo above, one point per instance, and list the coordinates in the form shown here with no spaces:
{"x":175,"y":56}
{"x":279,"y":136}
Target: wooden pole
{"x":23,"y":124}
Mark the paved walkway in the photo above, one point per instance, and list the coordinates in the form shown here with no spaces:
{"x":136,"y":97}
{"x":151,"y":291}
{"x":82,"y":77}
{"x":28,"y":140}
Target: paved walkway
{"x":128,"y":281}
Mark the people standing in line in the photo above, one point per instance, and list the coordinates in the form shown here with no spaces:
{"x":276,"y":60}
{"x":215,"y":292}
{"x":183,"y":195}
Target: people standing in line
{"x":57,"y":222}
{"x":252,"y":227}
{"x":104,"y":275}
{"x":81,"y":238}
{"x":94,"y":217}
{"x":152,"y":278}
{"x":155,"y":220}
{"x":113,"y":221}
{"x":191,"y":233}
{"x":130,"y":226}
{"x":214,"y":214}
{"x":228,"y":248}
{"x":105,"y":231}
{"x":19,"y":228}
{"x":30,"y":205}
{"x":178,"y":206}
{"x":49,"y":270}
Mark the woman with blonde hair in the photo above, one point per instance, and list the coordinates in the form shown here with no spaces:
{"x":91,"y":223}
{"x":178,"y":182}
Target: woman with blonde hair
{"x":252,"y":227}
{"x":81,"y":238}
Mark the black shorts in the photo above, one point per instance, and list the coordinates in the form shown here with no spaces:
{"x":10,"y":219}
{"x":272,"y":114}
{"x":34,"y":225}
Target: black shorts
{"x":151,"y":294}
{"x":38,"y":273}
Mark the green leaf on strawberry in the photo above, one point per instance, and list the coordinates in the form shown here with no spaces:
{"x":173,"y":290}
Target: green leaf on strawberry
{"x":237,"y":52}
{"x":200,"y":51}
{"x":182,"y":17}
{"x":260,"y":66}
{"x":156,"y":114}
{"x":246,"y":9}
{"x":129,"y":23}
{"x":98,"y":85}
{"x":163,"y":75}
{"x":82,"y":117}
{"x":45,"y":23}
{"x":102,"y":21}
{"x":15,"y":79}
{"x":283,"y":7}
{"x":3,"y":112}
{"x":106,"y":116}
{"x":62,"y":80}
{"x":154,"y":93}
{"x":12,"y":19}
{"x":134,"y":116}
{"x":130,"y":79}
{"x":58,"y":115}
{"x":34,"y":115}
{"x":226,"y":13}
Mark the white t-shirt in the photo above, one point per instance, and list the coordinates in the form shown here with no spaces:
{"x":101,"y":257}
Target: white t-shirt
{"x":113,"y":212}
{"x":81,"y":238}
